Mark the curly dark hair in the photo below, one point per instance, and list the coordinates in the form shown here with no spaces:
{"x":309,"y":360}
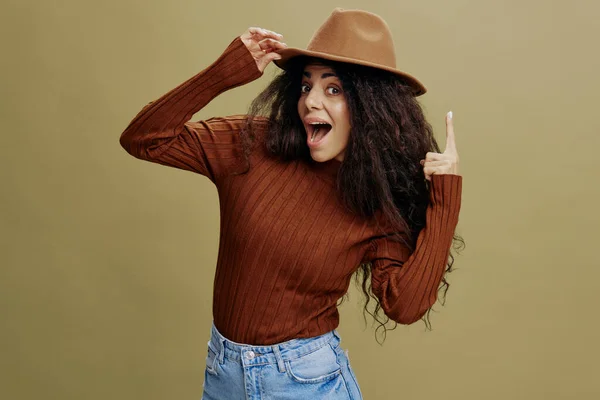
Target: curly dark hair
{"x":389,"y":136}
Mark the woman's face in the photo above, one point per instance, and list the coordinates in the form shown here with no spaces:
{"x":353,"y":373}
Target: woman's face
{"x":322,"y":100}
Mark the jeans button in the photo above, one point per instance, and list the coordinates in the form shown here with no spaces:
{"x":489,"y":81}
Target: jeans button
{"x":249,"y":355}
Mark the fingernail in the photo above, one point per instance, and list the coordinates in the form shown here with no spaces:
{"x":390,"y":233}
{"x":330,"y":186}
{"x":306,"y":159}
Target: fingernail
{"x":450,"y":114}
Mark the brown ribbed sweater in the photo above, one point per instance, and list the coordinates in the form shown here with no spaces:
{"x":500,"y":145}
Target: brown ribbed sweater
{"x":287,"y":248}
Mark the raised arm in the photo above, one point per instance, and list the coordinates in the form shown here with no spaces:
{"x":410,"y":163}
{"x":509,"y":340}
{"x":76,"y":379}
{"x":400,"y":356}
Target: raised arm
{"x":407,"y":284}
{"x":162,"y":131}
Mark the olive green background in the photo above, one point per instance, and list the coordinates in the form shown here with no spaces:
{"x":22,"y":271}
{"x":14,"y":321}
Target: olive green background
{"x":107,"y":261}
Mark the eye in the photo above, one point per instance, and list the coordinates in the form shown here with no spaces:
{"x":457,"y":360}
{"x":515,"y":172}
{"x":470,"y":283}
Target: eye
{"x":305,"y":88}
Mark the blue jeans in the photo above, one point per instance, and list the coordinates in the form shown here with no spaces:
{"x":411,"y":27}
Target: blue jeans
{"x":306,"y":368}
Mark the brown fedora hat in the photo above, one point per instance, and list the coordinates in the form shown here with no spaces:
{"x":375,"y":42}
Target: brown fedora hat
{"x":356,"y":37}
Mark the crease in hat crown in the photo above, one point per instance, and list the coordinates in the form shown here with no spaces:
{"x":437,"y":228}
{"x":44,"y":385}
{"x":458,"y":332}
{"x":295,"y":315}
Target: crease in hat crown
{"x":357,"y":37}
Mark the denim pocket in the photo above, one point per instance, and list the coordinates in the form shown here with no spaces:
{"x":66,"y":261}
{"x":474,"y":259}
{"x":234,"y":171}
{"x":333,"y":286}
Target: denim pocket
{"x":211,"y":360}
{"x":318,"y":366}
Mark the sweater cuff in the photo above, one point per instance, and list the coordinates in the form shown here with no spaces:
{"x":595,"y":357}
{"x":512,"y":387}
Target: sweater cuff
{"x":446,"y":192}
{"x":240,"y":67}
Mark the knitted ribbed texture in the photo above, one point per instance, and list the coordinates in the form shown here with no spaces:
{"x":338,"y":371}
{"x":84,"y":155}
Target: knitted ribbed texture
{"x":288,"y":248}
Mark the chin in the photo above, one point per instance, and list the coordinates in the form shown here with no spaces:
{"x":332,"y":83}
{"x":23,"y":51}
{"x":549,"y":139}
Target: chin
{"x":318,"y":158}
{"x":321,"y":157}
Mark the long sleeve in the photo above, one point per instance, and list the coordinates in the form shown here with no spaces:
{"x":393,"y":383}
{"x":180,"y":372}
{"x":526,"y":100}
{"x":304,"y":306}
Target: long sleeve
{"x":163,"y":133}
{"x":407,"y":283}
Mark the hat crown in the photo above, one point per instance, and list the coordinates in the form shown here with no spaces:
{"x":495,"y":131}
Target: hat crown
{"x":356,"y":34}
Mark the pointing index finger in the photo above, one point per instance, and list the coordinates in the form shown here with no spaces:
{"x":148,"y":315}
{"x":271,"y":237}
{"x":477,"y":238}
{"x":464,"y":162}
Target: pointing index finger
{"x":450,"y":138}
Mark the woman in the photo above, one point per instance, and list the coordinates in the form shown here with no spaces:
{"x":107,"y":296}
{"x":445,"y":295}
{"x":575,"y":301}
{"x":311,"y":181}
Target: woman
{"x":334,"y":170}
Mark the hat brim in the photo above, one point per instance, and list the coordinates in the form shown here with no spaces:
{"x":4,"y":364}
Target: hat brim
{"x":289,"y":53}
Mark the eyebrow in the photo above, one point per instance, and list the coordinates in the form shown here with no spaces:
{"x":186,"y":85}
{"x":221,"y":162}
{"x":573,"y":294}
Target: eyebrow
{"x":325,"y":75}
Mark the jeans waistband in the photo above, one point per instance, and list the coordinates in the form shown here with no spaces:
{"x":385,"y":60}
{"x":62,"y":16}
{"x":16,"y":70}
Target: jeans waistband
{"x":277,"y":353}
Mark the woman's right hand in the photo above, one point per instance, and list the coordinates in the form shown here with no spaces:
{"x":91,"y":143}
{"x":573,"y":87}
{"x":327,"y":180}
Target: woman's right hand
{"x":262,"y":44}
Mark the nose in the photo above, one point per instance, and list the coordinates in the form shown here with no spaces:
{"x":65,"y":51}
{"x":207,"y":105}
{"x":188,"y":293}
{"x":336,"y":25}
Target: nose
{"x":314,"y":100}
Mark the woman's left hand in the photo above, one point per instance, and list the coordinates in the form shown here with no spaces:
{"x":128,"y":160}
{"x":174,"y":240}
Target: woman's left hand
{"x":446,"y":162}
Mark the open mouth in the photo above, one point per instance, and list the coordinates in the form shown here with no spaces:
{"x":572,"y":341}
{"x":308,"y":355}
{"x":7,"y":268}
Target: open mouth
{"x":318,"y":131}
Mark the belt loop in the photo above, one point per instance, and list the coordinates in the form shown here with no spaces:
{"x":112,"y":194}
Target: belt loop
{"x":222,"y":352}
{"x":280,"y":363}
{"x":337,"y":336}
